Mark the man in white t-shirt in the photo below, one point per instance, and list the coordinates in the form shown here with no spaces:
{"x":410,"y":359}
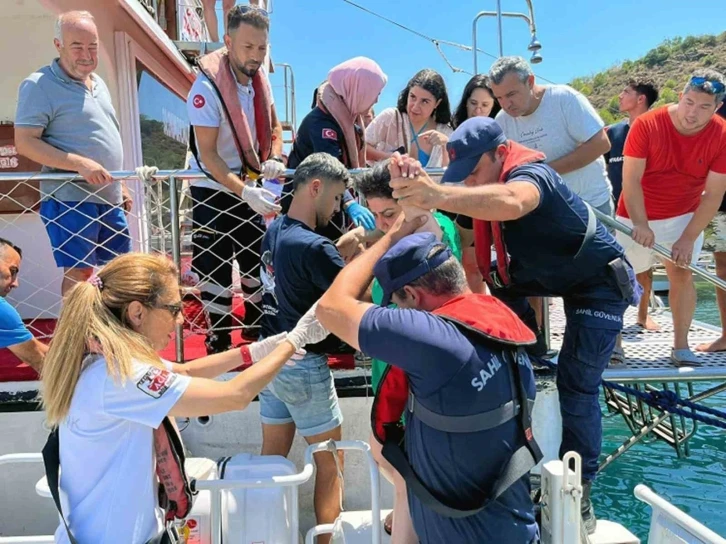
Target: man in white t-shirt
{"x":230,"y":146}
{"x":558,"y":121}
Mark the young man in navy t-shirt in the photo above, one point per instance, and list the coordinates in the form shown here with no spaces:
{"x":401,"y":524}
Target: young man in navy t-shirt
{"x":636,"y":99}
{"x":298,"y":266}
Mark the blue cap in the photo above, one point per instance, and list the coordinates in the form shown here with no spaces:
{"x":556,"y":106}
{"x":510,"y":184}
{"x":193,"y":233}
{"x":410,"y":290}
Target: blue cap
{"x":407,"y":261}
{"x":468,"y":143}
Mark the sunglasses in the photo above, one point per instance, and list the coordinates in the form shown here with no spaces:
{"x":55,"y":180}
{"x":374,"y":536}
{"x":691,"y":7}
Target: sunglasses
{"x":241,"y":10}
{"x":174,"y":309}
{"x":707,"y":85}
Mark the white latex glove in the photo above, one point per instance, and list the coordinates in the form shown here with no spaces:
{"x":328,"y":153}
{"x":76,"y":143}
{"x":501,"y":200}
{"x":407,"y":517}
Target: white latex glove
{"x":146,"y":173}
{"x":260,"y":350}
{"x":308,"y":330}
{"x":260,"y":200}
{"x":272,"y":169}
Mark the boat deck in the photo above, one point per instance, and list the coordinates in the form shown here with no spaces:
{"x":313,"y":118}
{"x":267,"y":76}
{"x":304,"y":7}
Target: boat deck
{"x":647,"y":353}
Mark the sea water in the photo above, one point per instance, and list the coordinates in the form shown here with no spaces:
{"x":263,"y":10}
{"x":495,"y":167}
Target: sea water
{"x":696,"y":484}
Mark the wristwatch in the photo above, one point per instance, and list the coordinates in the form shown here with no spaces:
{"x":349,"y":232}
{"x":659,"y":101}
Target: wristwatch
{"x":278,"y":159}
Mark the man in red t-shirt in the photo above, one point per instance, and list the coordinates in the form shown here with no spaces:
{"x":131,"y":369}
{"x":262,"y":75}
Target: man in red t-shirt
{"x":674,"y":178}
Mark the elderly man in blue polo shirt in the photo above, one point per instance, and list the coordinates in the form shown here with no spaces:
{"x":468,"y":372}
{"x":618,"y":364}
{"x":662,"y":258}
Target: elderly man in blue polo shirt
{"x":65,"y":121}
{"x":13,"y":333}
{"x":548,"y":243}
{"x":468,"y":440}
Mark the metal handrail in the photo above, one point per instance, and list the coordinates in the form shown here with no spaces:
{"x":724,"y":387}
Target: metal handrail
{"x":660,"y":250}
{"x":160,"y":175}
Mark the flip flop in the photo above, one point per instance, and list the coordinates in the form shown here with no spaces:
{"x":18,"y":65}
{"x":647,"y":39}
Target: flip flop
{"x":685,"y":357}
{"x":617,"y":357}
{"x":388,"y":523}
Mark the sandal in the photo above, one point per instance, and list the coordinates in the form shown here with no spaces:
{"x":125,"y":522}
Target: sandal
{"x":685,"y":357}
{"x":388,"y":523}
{"x":617,"y":357}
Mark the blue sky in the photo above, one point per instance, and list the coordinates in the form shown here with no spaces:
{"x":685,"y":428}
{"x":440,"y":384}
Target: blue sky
{"x":578,"y":37}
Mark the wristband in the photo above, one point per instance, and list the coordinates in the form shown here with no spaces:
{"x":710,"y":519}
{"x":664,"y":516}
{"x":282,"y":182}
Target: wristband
{"x":277,"y":159}
{"x":244,"y":352}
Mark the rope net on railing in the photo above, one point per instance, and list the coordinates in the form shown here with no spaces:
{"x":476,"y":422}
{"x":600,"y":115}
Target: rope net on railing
{"x":219,"y":237}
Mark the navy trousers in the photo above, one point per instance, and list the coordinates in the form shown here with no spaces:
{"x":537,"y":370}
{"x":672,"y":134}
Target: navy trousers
{"x":594,"y":312}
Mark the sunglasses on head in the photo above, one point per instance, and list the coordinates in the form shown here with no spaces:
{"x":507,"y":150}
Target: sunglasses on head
{"x":707,"y":85}
{"x":245,"y":9}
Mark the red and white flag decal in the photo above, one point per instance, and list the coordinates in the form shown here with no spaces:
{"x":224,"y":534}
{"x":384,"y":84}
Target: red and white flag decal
{"x":155,"y":382}
{"x":330,"y":134}
{"x":198,"y":101}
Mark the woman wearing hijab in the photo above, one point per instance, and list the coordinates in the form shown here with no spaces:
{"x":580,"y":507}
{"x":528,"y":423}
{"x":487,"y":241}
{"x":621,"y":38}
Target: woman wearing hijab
{"x":335,"y":126}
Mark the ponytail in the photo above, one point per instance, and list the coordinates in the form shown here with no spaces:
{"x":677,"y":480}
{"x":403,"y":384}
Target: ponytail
{"x":93,"y":319}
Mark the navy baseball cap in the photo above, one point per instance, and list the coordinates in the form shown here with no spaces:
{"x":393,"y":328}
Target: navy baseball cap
{"x":407,"y":261}
{"x":468,"y":143}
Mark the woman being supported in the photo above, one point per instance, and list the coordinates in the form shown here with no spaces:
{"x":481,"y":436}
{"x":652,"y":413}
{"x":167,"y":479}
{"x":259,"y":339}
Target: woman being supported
{"x":418,"y":125}
{"x":335,"y":126}
{"x":374,"y":187}
{"x":106,"y":390}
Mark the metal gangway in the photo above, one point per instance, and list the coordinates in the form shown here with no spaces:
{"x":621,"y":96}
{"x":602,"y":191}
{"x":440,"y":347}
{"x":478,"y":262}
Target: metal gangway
{"x":649,"y":372}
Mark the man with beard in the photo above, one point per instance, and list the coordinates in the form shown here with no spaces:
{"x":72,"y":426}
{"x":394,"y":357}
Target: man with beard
{"x":298,"y":267}
{"x":236,"y":137}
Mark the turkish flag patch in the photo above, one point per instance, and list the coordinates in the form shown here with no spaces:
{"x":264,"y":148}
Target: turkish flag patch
{"x":156,"y":382}
{"x":452,"y":154}
{"x":330,"y":134}
{"x":198,"y":101}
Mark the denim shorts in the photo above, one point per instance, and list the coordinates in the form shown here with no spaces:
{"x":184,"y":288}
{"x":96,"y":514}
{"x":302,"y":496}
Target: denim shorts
{"x":303,"y":393}
{"x":84,"y":234}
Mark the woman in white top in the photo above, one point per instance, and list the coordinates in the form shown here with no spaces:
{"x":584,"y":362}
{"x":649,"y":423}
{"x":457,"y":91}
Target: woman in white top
{"x":106,"y":389}
{"x":418,"y":125}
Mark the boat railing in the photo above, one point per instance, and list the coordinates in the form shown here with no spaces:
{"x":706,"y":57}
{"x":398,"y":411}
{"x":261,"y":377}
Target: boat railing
{"x":289,"y":122}
{"x":613,"y":223}
{"x":670,"y":524}
{"x":160,"y":222}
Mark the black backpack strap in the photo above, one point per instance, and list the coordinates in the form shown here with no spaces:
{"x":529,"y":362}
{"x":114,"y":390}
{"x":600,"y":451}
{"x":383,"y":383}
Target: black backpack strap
{"x":51,"y":460}
{"x":519,"y":464}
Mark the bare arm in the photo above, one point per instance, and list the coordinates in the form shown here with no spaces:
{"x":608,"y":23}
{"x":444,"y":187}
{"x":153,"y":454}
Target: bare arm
{"x":633,"y":170}
{"x":710,"y":202}
{"x":211,"y":366}
{"x":466,"y":235}
{"x":583,"y":155}
{"x":374,"y":155}
{"x":207,"y":397}
{"x":276,"y":133}
{"x":29,"y":144}
{"x":493,"y":202}
{"x":207,"y":145}
{"x":31,"y":352}
{"x":341,"y":308}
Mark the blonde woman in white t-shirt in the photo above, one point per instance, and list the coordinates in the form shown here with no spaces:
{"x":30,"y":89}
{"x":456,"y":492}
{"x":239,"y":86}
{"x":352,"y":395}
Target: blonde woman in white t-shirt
{"x":106,"y":389}
{"x":419,"y":125}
